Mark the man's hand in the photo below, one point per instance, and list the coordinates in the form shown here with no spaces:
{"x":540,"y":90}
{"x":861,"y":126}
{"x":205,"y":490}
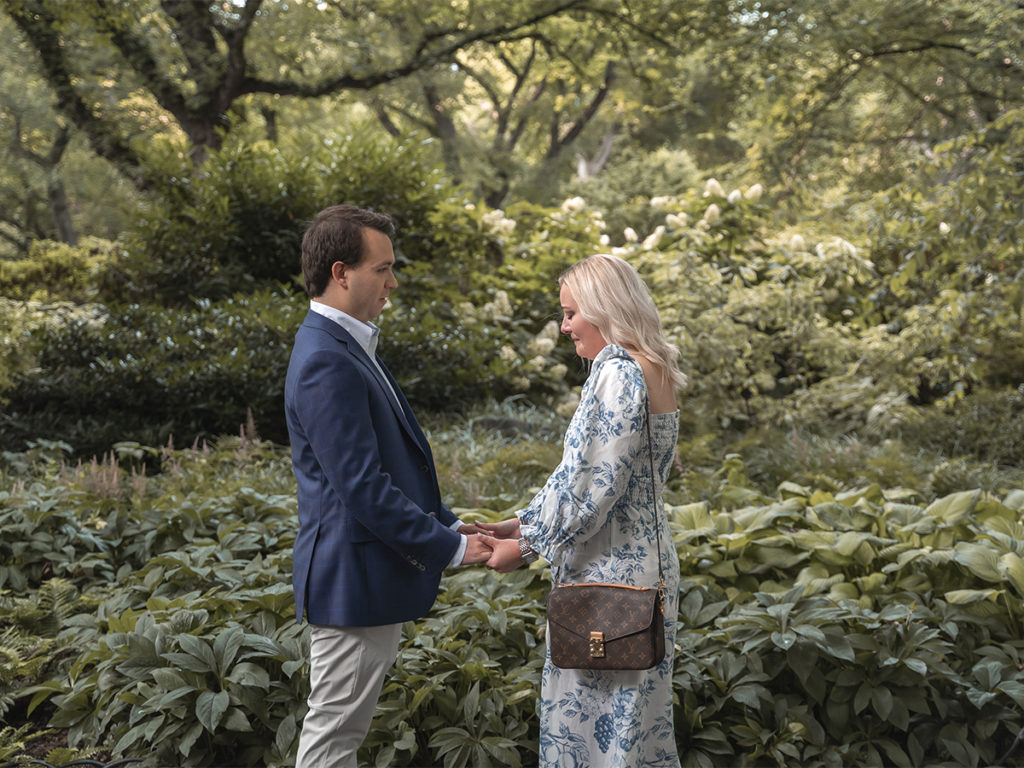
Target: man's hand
{"x":468,"y":529}
{"x":506,"y":529}
{"x":506,"y":556}
{"x":478,"y":549}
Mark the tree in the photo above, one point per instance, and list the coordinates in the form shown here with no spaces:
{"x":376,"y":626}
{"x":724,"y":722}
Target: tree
{"x":195,"y":61}
{"x":32,"y":189}
{"x":885,"y":81}
{"x":518,"y":113}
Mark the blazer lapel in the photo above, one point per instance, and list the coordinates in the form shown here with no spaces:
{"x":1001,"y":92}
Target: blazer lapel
{"x":361,"y":357}
{"x":412,"y":425}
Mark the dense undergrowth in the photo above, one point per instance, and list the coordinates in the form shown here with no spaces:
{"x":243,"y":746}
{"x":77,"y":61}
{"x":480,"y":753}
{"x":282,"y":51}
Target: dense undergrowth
{"x":842,"y":603}
{"x":846,"y":504}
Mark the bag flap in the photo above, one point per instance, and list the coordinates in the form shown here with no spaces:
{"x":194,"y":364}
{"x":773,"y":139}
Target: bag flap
{"x":617,"y":611}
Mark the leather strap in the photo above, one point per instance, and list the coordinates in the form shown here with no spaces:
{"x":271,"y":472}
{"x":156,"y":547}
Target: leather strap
{"x":654,"y":491}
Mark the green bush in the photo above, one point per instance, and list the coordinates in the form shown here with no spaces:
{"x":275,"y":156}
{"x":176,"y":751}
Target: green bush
{"x":986,"y":425}
{"x":150,"y":374}
{"x":818,"y":626}
{"x":236,"y":225}
{"x":60,"y":272}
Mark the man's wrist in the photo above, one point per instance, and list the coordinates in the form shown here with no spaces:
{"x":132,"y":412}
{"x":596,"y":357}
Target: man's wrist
{"x":526,"y":551}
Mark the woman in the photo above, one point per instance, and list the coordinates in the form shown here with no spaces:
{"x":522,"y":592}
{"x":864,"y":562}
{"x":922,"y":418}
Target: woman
{"x":594,"y":520}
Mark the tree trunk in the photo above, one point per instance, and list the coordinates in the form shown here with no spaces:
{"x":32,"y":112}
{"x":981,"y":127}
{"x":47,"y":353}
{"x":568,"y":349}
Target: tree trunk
{"x":445,"y":132}
{"x":58,"y":198}
{"x":270,"y":121}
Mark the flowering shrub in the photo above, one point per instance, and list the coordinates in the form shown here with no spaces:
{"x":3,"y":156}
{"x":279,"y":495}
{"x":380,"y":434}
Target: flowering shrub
{"x":777,"y":325}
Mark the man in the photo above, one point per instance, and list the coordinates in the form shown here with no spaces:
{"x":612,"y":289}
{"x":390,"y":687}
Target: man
{"x":374,"y":535}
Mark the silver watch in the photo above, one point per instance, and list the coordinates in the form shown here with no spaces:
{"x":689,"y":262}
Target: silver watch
{"x":526,"y":551}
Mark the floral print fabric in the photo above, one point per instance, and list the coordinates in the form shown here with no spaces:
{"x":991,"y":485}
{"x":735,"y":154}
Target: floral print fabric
{"x":594,"y":521}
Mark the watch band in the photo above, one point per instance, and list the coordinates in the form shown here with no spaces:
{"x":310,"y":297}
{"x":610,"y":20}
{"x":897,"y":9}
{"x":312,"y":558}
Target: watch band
{"x":526,"y":551}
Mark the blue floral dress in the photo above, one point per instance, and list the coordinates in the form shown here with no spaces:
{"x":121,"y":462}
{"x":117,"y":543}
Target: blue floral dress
{"x":593,"y":521}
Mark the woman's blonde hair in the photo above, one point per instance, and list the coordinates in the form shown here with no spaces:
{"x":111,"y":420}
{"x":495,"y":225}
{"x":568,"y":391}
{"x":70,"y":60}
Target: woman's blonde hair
{"x":612,"y":296}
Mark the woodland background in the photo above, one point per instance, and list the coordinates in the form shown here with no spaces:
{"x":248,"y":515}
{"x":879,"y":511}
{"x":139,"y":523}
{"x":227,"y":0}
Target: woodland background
{"x":826,"y":200}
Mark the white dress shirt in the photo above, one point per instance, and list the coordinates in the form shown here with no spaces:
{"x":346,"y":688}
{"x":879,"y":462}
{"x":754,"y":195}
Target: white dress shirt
{"x":367,"y":335}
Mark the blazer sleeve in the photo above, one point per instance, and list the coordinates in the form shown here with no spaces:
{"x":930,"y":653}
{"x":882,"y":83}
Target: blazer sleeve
{"x":332,"y":403}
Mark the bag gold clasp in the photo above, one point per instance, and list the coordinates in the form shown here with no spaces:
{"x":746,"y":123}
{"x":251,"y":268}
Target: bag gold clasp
{"x":597,"y":645}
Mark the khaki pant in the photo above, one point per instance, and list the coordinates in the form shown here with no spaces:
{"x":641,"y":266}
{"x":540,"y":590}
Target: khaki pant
{"x":347,"y":669}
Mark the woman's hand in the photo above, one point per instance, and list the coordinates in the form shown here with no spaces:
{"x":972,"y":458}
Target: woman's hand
{"x":506,"y":529}
{"x":506,"y":555}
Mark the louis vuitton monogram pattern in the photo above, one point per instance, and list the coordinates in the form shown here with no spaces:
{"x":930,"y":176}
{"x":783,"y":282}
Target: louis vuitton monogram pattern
{"x":628,"y":622}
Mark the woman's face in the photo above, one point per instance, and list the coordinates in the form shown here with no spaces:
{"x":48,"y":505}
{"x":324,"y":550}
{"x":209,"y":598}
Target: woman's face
{"x":588,"y":340}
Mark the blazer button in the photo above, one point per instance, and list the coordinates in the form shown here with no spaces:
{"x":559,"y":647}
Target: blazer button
{"x":424,"y":468}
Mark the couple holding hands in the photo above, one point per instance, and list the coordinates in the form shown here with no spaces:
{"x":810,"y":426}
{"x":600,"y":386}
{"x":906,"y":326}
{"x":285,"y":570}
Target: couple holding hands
{"x":374,"y":535}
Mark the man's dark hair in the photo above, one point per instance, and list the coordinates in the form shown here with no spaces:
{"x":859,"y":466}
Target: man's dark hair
{"x":336,"y":234}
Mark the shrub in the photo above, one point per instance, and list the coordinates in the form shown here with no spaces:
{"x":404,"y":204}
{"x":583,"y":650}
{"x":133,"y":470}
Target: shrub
{"x":59,"y":272}
{"x":818,"y":626}
{"x":145,"y":373}
{"x":236,"y":225}
{"x":987,"y":425}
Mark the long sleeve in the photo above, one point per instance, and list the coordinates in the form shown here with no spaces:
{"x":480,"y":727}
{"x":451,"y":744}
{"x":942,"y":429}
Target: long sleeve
{"x":601,"y":446}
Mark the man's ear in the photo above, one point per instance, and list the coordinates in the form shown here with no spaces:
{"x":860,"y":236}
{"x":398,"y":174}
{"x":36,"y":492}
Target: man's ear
{"x":339,"y":273}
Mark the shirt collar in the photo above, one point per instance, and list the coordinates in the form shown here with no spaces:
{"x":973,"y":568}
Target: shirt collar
{"x":366,"y":334}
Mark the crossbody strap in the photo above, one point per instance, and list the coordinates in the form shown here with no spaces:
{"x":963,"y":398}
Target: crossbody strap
{"x":654,"y":492}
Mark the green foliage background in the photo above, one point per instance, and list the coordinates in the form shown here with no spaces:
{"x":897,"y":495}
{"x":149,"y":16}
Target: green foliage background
{"x":847,"y":501}
{"x":831,"y":619}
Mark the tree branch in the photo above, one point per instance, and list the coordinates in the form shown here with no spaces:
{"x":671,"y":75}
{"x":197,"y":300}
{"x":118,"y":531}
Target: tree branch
{"x":41,"y":28}
{"x":588,"y":114}
{"x":420,"y":59}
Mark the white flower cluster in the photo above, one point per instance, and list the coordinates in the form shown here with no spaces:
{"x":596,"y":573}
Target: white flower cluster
{"x":542,"y":345}
{"x":499,"y":308}
{"x":713,"y":189}
{"x":712,"y":215}
{"x":497,"y":223}
{"x":551,"y":330}
{"x":568,"y":404}
{"x":677,"y":220}
{"x":653,"y":240}
{"x":574,"y":205}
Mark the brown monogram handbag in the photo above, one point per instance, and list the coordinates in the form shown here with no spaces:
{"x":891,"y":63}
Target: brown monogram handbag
{"x":609,"y":626}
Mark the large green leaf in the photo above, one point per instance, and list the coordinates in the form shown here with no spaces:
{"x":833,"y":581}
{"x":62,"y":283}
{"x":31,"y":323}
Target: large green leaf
{"x":210,"y":708}
{"x":981,"y":559}
{"x":955,"y":507}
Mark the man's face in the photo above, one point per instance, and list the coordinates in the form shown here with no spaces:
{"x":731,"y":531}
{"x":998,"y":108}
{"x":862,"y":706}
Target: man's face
{"x":369,"y":282}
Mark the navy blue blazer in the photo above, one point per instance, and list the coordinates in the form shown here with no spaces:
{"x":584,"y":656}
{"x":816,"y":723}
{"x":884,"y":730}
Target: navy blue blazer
{"x":374,"y":535}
